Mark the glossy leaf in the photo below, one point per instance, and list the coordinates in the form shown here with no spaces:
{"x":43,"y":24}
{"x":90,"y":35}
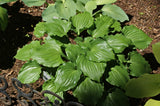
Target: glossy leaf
{"x":91,"y":69}
{"x":30,"y":72}
{"x":102,"y":2}
{"x":90,"y":6}
{"x":152,"y":102}
{"x":50,"y":13}
{"x":49,"y":54}
{"x":147,"y":85}
{"x":138,"y":64}
{"x":49,"y":85}
{"x":156,"y":51}
{"x":39,"y":30}
{"x":115,"y":12}
{"x":137,"y":36}
{"x":66,"y":9}
{"x":89,"y":92}
{"x":26,"y":52}
{"x":116,"y":26}
{"x":118,"y":42}
{"x":73,"y":51}
{"x":118,"y":76}
{"x":31,"y":3}
{"x":82,"y":21}
{"x":116,"y":98}
{"x":58,"y":27}
{"x":100,"y":51}
{"x":3,"y":18}
{"x":102,"y":26}
{"x":66,"y":77}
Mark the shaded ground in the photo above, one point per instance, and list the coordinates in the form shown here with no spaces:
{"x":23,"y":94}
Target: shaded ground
{"x":145,"y":14}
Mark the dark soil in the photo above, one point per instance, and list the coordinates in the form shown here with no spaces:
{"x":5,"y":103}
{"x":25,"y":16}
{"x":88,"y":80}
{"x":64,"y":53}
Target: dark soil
{"x":145,"y":14}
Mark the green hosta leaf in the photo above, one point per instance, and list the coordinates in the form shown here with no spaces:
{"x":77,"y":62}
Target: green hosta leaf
{"x":152,"y":102}
{"x":83,"y":1}
{"x":115,"y":12}
{"x":156,"y":51}
{"x":89,"y":92}
{"x":73,"y":51}
{"x":6,"y":1}
{"x":31,"y":3}
{"x":116,"y":98}
{"x":50,"y":13}
{"x":118,"y":42}
{"x":138,"y":64}
{"x":49,"y":54}
{"x":66,"y":9}
{"x":3,"y":18}
{"x":30,"y":72}
{"x":102,"y":26}
{"x":102,"y":2}
{"x":137,"y":36}
{"x":116,"y":27}
{"x":100,"y":51}
{"x":118,"y":76}
{"x":27,"y":51}
{"x":80,"y":6}
{"x":147,"y":85}
{"x":58,"y":27}
{"x":82,"y":21}
{"x":90,"y":6}
{"x":39,"y":30}
{"x":49,"y":85}
{"x":91,"y":69}
{"x":66,"y":77}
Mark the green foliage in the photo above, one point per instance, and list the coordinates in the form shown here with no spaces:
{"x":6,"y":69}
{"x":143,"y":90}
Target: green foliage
{"x":147,"y":85}
{"x":100,"y":51}
{"x":156,"y":51}
{"x":6,"y":1}
{"x":152,"y":102}
{"x":31,"y":3}
{"x":3,"y":18}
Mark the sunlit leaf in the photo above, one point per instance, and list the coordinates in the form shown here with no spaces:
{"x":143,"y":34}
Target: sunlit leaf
{"x":115,"y":12}
{"x":66,"y":77}
{"x":66,"y":9}
{"x":147,"y":85}
{"x":102,"y":26}
{"x":91,"y":69}
{"x":152,"y":102}
{"x":57,"y":27}
{"x":137,"y":36}
{"x":50,"y":13}
{"x":26,"y":52}
{"x":82,"y":21}
{"x":39,"y":30}
{"x":90,"y":6}
{"x":138,"y":64}
{"x":89,"y":92}
{"x":49,"y":54}
{"x":102,"y":2}
{"x":30,"y":72}
{"x":118,"y":76}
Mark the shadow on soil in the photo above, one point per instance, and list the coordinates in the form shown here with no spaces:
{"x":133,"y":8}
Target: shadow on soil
{"x":14,"y":36}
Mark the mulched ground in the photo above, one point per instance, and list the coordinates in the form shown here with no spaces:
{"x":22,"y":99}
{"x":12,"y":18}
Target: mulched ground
{"x":145,"y":14}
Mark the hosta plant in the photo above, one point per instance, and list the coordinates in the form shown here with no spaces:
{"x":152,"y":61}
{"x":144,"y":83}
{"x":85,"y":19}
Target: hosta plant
{"x":86,"y":52}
